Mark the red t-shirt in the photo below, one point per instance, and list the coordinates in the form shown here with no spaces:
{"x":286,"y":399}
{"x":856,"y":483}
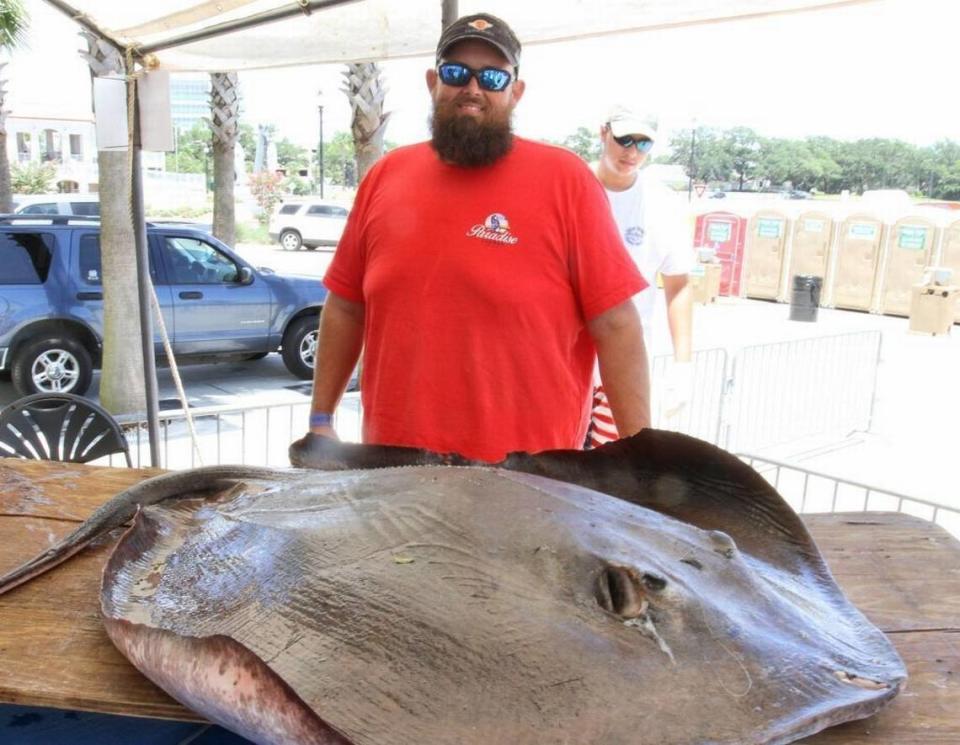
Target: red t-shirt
{"x":477,"y":285}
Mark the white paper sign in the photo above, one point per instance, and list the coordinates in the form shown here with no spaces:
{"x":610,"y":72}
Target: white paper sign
{"x":110,"y":109}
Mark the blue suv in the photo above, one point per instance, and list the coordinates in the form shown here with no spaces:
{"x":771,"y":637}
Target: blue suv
{"x":215,"y":305}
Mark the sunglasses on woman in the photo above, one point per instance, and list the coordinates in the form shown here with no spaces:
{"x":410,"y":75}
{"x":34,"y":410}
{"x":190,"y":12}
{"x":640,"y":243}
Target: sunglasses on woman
{"x":489,"y":78}
{"x":628,"y":141}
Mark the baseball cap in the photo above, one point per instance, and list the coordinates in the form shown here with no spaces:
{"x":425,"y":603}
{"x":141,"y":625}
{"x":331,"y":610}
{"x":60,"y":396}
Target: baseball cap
{"x":625,"y":120}
{"x":485,"y":27}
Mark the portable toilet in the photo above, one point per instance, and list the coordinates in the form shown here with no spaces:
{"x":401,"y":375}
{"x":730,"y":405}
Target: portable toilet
{"x":764,"y":252}
{"x":724,"y":233}
{"x":810,"y":242}
{"x":910,"y":244}
{"x":950,"y":255}
{"x":857,"y":257}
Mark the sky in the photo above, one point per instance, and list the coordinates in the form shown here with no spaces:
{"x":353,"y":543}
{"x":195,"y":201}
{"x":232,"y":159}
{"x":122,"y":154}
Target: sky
{"x":872,"y":70}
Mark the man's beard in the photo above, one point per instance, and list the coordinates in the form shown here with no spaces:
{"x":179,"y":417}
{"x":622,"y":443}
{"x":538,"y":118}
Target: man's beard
{"x":464,"y":141}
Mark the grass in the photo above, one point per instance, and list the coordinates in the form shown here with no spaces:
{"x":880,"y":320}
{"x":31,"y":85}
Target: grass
{"x":255,"y":232}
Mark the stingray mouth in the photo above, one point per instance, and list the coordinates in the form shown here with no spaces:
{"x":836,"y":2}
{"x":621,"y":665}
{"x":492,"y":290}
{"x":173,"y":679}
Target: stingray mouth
{"x":625,"y":591}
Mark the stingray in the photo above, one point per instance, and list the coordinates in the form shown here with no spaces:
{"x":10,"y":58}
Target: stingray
{"x":655,"y":590}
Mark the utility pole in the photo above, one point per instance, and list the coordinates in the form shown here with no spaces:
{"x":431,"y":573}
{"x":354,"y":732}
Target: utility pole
{"x":448,"y":13}
{"x":320,"y":148}
{"x":693,"y":160}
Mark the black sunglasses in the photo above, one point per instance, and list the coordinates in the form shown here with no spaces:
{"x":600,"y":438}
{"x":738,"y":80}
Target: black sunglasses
{"x":643,"y":144}
{"x":489,"y":78}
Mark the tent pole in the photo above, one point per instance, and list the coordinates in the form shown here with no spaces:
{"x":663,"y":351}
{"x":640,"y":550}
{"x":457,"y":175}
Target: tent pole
{"x":143,"y":285}
{"x":449,"y":13}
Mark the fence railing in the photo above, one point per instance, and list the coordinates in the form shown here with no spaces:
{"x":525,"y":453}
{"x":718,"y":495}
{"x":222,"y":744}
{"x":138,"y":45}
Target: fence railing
{"x":809,"y":491}
{"x":249,"y":435}
{"x":767,"y":395}
{"x":787,"y":391}
{"x":703,"y":415}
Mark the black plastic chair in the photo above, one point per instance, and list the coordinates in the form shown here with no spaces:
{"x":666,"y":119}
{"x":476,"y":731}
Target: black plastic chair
{"x":59,"y":426}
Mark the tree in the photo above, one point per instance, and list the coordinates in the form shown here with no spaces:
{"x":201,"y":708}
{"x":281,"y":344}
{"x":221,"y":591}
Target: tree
{"x":742,"y":145}
{"x":340,"y":164}
{"x":224,"y":122}
{"x":292,"y":157}
{"x":585,"y":143}
{"x":13,"y":24}
{"x":193,"y":150}
{"x":33,"y":178}
{"x":946,"y":169}
{"x":122,"y":388}
{"x":711,"y":160}
{"x":247,"y":137}
{"x":366,"y":91}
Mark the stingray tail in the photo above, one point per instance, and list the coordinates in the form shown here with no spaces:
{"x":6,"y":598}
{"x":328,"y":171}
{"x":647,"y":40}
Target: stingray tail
{"x":124,"y":506}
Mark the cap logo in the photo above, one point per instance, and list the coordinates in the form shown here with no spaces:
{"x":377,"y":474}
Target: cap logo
{"x":480,"y":24}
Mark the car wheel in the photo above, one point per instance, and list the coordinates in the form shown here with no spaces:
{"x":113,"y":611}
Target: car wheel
{"x":52,"y":365}
{"x":290,"y":240}
{"x":300,"y":347}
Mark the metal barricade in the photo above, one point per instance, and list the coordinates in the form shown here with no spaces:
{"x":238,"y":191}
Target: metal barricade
{"x":701,"y":417}
{"x":254,"y":435}
{"x":768,"y":395}
{"x":809,"y":491}
{"x":783,"y":392}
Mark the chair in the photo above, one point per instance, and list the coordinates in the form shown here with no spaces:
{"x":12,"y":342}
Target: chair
{"x":59,"y":426}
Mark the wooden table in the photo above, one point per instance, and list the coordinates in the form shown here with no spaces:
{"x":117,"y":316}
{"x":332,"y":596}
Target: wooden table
{"x":904,"y":573}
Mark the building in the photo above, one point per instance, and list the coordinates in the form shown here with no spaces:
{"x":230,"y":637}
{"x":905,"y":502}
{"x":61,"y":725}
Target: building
{"x":68,"y":144}
{"x":189,"y":99}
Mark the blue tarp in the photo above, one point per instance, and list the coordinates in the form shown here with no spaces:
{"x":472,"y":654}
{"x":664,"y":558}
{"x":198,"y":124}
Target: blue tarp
{"x":27,"y":725}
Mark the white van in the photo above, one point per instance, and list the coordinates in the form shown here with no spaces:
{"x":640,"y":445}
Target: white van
{"x":308,"y":223}
{"x":81,"y":205}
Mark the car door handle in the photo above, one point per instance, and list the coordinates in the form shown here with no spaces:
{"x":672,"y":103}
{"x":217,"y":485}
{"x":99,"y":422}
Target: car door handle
{"x":89,"y":296}
{"x":192,"y":295}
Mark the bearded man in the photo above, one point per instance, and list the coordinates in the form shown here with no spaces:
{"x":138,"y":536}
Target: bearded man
{"x":480,"y":272}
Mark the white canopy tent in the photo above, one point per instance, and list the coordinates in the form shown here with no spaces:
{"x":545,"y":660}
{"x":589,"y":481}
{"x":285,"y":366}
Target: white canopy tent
{"x":232,"y":35}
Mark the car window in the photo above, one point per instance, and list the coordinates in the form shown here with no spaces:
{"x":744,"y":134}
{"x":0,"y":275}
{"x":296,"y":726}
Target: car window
{"x":320,"y":209}
{"x":193,"y":262}
{"x":45,"y":208}
{"x":290,"y":209}
{"x":25,"y":258}
{"x":91,"y":272}
{"x":91,"y":209}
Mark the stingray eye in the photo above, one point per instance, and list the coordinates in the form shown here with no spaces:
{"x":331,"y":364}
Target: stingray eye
{"x":619,"y":591}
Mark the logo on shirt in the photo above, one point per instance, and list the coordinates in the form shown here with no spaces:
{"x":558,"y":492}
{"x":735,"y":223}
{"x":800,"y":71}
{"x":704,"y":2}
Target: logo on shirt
{"x":634,"y":236}
{"x":495,"y":228}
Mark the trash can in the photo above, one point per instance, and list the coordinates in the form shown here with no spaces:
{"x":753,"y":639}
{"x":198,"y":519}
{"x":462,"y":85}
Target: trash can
{"x":805,"y":297}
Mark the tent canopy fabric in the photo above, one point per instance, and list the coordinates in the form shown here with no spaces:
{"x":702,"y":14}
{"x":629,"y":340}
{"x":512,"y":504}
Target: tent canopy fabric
{"x":337,"y":31}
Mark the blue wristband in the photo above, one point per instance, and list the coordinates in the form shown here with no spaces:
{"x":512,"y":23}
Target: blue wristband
{"x":321,"y":420}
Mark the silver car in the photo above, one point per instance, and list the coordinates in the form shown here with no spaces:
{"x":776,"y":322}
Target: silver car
{"x":308,"y":223}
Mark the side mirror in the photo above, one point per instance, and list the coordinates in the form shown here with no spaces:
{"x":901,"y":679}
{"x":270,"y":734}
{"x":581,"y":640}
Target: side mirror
{"x":246,"y":275}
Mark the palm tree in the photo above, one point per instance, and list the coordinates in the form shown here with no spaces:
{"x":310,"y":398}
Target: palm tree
{"x":225,"y":123}
{"x":13,"y":24}
{"x":366,"y":91}
{"x":121,"y":381}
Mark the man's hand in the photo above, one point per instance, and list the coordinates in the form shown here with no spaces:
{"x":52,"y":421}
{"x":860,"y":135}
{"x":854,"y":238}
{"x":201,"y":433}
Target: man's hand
{"x":316,"y":450}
